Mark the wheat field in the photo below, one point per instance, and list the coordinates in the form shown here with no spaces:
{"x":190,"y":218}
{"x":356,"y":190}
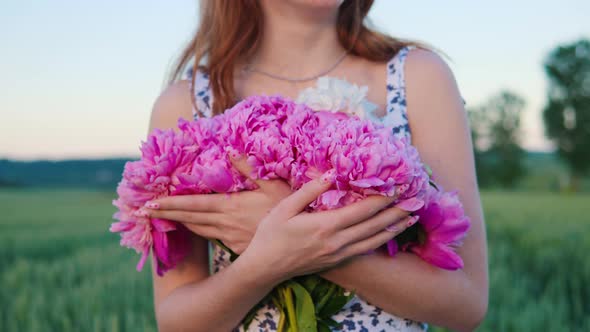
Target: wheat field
{"x":61,"y":270}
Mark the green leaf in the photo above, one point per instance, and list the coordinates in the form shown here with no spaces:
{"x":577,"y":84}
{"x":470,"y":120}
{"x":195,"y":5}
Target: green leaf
{"x":323,"y":327}
{"x":249,"y":317}
{"x":333,"y":305}
{"x":331,"y":322}
{"x":433,"y":184}
{"x":304,"y":308}
{"x":326,"y":296}
{"x":310,"y":282}
{"x":320,"y":290}
{"x":427,"y":169}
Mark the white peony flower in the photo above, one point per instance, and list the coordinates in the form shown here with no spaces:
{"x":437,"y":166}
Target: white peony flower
{"x":336,"y":95}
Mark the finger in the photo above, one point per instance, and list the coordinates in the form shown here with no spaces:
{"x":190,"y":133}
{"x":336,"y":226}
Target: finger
{"x":403,"y":224}
{"x":300,"y":199}
{"x":359,"y":211}
{"x":199,"y":203}
{"x":366,"y":245}
{"x":392,"y":219}
{"x":200,"y":218}
{"x":240,"y":163}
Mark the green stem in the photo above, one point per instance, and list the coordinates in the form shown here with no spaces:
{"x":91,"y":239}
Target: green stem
{"x":277,"y":302}
{"x":290,"y":308}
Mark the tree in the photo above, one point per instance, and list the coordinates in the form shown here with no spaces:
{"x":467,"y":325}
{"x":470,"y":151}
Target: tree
{"x":567,"y":113}
{"x":496,"y":134}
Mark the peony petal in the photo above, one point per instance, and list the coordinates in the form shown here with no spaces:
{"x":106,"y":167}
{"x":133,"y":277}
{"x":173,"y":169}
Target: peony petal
{"x":450,"y":230}
{"x":218,"y":179}
{"x":163,"y":225}
{"x":161,"y":247}
{"x":392,"y":247}
{"x":144,"y":256}
{"x":431,"y":217}
{"x":439,"y":255}
{"x":121,"y":226}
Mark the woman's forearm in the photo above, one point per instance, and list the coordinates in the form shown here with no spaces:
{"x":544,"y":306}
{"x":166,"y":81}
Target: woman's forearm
{"x":217,"y":303}
{"x":409,"y":287}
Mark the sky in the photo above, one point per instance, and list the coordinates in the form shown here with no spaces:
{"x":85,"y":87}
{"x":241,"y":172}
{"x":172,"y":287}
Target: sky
{"x":78,"y":78}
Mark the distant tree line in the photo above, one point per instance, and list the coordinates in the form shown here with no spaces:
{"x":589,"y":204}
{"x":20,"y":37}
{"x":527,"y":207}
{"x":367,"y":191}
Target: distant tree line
{"x":80,"y":174}
{"x":495,"y":128}
{"x":496,"y":125}
{"x":567,"y":112}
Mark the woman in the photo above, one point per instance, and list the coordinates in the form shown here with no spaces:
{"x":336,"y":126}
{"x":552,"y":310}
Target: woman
{"x":251,"y":47}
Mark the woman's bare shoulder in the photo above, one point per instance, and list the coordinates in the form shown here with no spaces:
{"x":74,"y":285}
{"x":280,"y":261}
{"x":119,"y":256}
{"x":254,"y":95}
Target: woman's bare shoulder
{"x":173,"y":103}
{"x":422,"y":61}
{"x":427,"y":73}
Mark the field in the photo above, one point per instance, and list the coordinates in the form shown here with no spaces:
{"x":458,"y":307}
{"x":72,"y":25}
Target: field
{"x":60,"y":270}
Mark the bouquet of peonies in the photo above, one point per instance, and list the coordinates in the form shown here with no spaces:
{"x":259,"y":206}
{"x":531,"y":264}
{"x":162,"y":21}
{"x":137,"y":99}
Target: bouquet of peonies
{"x":286,"y":140}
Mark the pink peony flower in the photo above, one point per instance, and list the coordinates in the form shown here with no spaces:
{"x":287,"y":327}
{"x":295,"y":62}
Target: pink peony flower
{"x":368,"y":160}
{"x":284,"y":140}
{"x":443,"y":225}
{"x":166,"y":155}
{"x":253,"y":128}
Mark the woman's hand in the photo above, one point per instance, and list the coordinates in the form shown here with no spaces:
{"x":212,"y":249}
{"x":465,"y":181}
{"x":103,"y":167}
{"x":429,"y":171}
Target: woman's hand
{"x":230,"y":218}
{"x":289,"y":242}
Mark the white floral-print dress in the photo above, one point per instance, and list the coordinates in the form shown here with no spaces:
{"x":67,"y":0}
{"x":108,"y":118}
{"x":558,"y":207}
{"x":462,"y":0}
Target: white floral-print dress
{"x":357,"y":315}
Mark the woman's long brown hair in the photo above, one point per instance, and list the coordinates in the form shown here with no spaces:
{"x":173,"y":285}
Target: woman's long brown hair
{"x":230,"y":30}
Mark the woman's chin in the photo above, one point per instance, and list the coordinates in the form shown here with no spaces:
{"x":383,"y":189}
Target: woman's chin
{"x":317,"y":3}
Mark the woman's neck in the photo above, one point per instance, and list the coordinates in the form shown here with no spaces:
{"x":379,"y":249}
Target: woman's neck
{"x":297,"y":41}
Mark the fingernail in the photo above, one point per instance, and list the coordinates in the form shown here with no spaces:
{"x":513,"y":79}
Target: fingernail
{"x":152,"y":205}
{"x":412,"y":221}
{"x":329,"y":176}
{"x":402,"y":189}
{"x":234,"y":154}
{"x":142,"y":213}
{"x":411,"y":204}
{"x":392,"y":228}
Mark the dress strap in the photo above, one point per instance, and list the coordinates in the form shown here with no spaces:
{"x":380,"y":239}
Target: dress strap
{"x":396,"y":116}
{"x":201,"y":92}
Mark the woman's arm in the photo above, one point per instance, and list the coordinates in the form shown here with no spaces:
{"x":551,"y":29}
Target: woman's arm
{"x":215,"y":303}
{"x":406,"y":285}
{"x":187,"y":298}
